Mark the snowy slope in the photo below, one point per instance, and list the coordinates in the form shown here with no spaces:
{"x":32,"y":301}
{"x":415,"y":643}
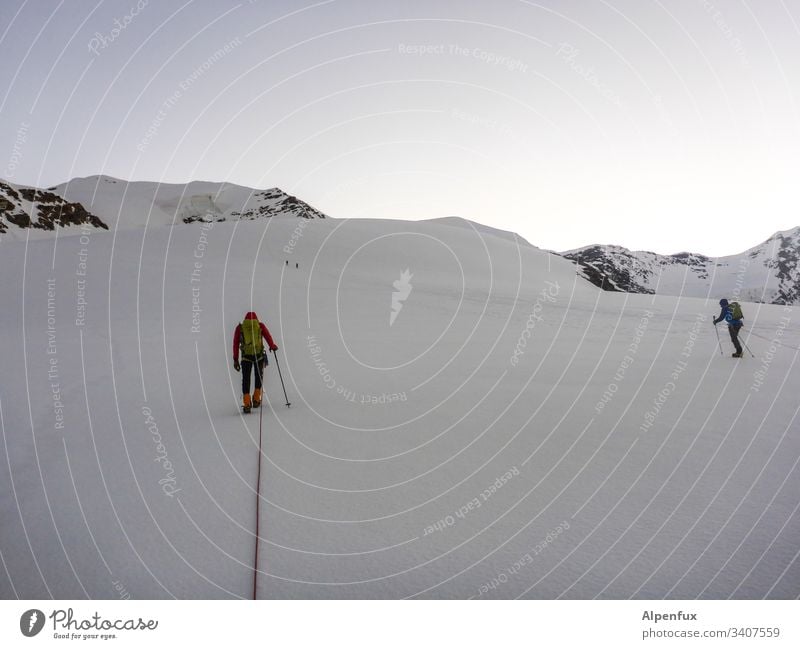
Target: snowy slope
{"x":512,"y":432}
{"x":767,"y":273}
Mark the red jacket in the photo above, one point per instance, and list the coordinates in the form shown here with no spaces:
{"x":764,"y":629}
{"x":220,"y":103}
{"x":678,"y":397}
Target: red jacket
{"x":237,"y":335}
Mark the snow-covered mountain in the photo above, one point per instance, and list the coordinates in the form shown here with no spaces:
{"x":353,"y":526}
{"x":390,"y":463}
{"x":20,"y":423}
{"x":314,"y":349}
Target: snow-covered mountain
{"x":767,"y":273}
{"x":103,"y":201}
{"x":139,"y":202}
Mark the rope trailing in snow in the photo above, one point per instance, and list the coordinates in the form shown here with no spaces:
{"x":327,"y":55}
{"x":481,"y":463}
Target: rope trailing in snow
{"x":258,"y":495}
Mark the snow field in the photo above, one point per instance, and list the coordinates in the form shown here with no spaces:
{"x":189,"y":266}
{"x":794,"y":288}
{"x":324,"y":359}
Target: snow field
{"x":512,"y":432}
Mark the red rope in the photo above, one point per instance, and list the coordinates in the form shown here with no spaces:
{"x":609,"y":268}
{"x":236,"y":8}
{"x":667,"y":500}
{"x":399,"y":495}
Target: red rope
{"x":258,"y":496}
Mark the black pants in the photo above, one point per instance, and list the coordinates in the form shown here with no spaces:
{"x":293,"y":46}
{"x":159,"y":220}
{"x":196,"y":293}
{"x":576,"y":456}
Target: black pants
{"x":734,"y":332}
{"x":248,"y":363}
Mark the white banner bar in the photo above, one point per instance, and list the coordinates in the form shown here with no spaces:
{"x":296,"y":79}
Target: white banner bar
{"x":401,"y":624}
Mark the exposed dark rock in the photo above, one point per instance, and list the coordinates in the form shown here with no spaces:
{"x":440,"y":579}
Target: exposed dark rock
{"x":33,"y":208}
{"x":613,"y":268}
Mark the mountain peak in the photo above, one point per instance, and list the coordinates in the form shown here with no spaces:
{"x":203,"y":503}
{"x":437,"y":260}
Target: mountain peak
{"x":768,"y":272}
{"x":105,"y":201}
{"x":792,"y":233}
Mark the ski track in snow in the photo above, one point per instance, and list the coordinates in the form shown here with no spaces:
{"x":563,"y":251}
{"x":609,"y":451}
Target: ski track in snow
{"x":458,"y":447}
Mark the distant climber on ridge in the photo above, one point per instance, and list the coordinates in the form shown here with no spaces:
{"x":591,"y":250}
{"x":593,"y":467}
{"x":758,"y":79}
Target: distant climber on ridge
{"x":732,"y":314}
{"x":248,"y":338}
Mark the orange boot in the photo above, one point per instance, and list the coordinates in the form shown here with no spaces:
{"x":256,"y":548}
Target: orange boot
{"x":246,"y":403}
{"x":257,"y":398}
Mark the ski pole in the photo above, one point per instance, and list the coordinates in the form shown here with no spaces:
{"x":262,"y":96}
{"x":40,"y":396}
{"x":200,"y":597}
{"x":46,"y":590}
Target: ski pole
{"x":718,"y":340}
{"x":748,"y":349}
{"x":278,"y":365}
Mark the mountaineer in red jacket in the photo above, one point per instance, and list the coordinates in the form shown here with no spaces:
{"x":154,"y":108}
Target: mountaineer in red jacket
{"x":248,"y":338}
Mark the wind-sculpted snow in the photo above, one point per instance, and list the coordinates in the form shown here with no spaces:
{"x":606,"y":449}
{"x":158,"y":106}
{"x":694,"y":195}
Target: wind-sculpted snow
{"x":511,"y":431}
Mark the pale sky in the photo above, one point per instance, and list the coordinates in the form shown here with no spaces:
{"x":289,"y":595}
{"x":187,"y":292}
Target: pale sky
{"x":659,"y":125}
